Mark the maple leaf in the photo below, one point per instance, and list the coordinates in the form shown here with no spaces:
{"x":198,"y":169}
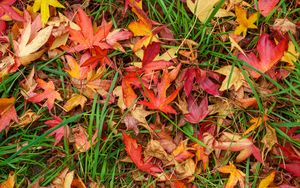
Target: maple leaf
{"x":234,"y":78}
{"x":148,"y":62}
{"x":135,"y":153}
{"x":269,"y":54}
{"x":266,"y":6}
{"x":293,"y":168}
{"x":201,"y":77}
{"x":235,"y":143}
{"x":7,"y":112}
{"x":291,"y":55}
{"x":101,"y":56}
{"x":201,"y":8}
{"x":9,"y":182}
{"x":76,"y":70}
{"x":49,"y":93}
{"x":31,"y":40}
{"x":74,"y":101}
{"x":161,"y":101}
{"x":60,"y":132}
{"x":43,"y":5}
{"x":267,"y":180}
{"x":88,"y":39}
{"x":7,"y":8}
{"x":196,"y":112}
{"x":236,"y":176}
{"x":244,"y":22}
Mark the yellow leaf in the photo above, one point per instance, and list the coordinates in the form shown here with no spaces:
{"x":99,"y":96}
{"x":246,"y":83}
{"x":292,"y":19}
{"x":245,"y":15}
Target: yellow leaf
{"x":10,"y":182}
{"x":74,"y":101}
{"x":291,"y":55}
{"x":5,"y":103}
{"x":267,"y":180}
{"x":43,"y":5}
{"x":235,"y":175}
{"x":234,"y":77}
{"x":244,"y":22}
{"x":255,"y":122}
{"x":201,"y":8}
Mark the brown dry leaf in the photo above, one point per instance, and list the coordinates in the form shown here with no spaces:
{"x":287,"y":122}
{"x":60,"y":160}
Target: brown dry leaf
{"x":64,"y":179}
{"x":59,"y":41}
{"x":74,"y":101}
{"x":269,"y":140}
{"x":119,"y":93}
{"x":267,"y":180}
{"x":28,"y":85}
{"x":9,"y":182}
{"x":140,"y":114}
{"x":234,"y":78}
{"x":223,"y":107}
{"x":82,"y":144}
{"x":185,"y":169}
{"x":27,"y":118}
{"x":182,"y":105}
{"x":154,"y":149}
{"x":284,"y":25}
{"x":234,"y":39}
{"x":131,"y":123}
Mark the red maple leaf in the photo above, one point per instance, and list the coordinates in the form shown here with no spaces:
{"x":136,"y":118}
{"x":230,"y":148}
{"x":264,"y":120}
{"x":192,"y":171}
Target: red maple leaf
{"x":161,"y":101}
{"x":196,"y":112}
{"x":60,"y":132}
{"x":148,"y":65}
{"x":205,"y":79}
{"x":269,"y":54}
{"x":49,"y":93}
{"x":135,"y":153}
{"x":6,"y":8}
{"x":88,"y":39}
{"x":7,"y":112}
{"x":266,"y":6}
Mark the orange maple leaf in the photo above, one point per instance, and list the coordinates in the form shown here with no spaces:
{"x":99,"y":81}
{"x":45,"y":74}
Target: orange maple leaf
{"x":7,"y":112}
{"x":161,"y":101}
{"x":49,"y":93}
{"x":88,"y":39}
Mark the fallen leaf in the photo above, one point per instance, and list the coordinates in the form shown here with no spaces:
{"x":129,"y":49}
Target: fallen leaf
{"x":244,"y":22}
{"x":269,"y":140}
{"x":154,"y":149}
{"x":234,"y":78}
{"x":74,"y":101}
{"x":27,"y":118}
{"x":77,"y":70}
{"x":82,"y":144}
{"x":266,"y":6}
{"x":201,"y":8}
{"x":293,"y":168}
{"x":269,"y":55}
{"x":236,"y":176}
{"x":291,"y":55}
{"x":131,"y":123}
{"x":255,"y":122}
{"x":7,"y":112}
{"x":60,"y":132}
{"x":267,"y":180}
{"x":7,"y":8}
{"x":86,"y":38}
{"x":233,"y":142}
{"x":161,"y":101}
{"x":49,"y":93}
{"x":26,"y":49}
{"x":196,"y":112}
{"x":284,"y":25}
{"x":43,"y":5}
{"x":135,"y":153}
{"x":9,"y":182}
{"x":205,"y":79}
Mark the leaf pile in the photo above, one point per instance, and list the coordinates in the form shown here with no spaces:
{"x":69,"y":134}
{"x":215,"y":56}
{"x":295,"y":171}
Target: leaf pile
{"x":77,"y":88}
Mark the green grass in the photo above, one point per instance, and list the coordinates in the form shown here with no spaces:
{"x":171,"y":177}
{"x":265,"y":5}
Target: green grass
{"x":30,"y":153}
